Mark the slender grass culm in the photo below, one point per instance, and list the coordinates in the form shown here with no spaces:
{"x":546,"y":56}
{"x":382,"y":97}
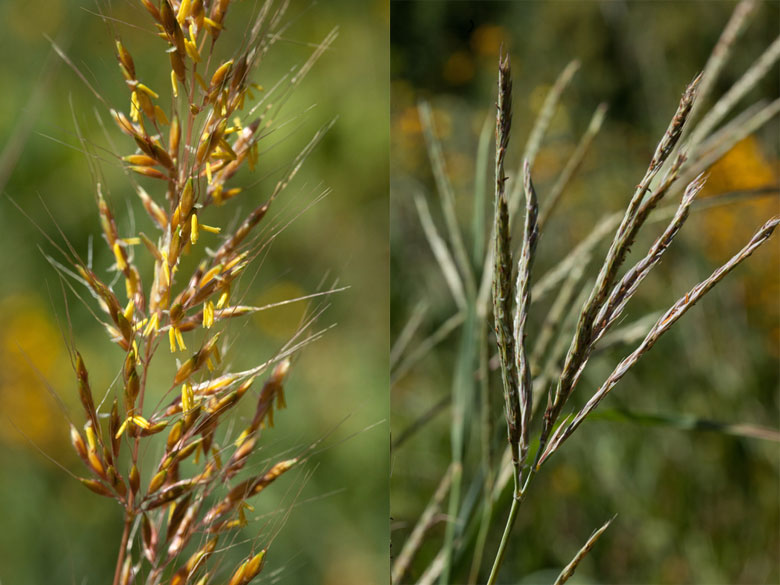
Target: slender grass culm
{"x":549,"y":320}
{"x":179,"y":466}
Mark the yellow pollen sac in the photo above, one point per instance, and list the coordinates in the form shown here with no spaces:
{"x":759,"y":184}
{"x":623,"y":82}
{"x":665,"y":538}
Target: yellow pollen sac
{"x":224,"y":298}
{"x":141,"y":422}
{"x":230,"y":193}
{"x":192,"y":50}
{"x":121,"y":263}
{"x":210,"y":228}
{"x":211,"y":24}
{"x":180,"y":339}
{"x":174,"y":85}
{"x":129,"y":288}
{"x":187,"y":397}
{"x":121,"y":429}
{"x":185,"y":9}
{"x":166,"y":269}
{"x":90,"y":434}
{"x":135,"y":109}
{"x":172,"y":339}
{"x":153,"y":325}
{"x":147,"y":91}
{"x":194,"y":229}
{"x":140,"y":325}
{"x":208,"y":315}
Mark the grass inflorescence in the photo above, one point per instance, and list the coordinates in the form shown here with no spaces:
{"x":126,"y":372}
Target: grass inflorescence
{"x":540,"y":372}
{"x":176,"y":461}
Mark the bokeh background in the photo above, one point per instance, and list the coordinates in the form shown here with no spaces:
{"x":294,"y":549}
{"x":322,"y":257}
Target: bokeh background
{"x":54,"y":530}
{"x":693,"y":506}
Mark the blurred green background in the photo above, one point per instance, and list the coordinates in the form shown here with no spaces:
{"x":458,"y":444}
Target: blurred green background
{"x":55,"y":531}
{"x":693,"y":507}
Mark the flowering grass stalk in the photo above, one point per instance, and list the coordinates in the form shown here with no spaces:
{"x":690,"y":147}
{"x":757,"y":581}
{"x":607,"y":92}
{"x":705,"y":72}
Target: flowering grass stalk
{"x":540,"y":373}
{"x":183,"y":155}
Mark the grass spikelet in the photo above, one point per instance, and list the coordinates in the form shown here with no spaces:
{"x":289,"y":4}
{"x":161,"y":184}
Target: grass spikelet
{"x":502,"y":279}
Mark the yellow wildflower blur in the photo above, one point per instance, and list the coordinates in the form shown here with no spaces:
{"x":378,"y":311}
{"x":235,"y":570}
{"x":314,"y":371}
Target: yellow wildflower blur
{"x":728,"y":227}
{"x":31,"y":349}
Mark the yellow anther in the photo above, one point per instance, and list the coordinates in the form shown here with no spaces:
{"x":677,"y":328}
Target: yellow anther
{"x":185,"y":9}
{"x":121,"y":263}
{"x":187,"y":397}
{"x":140,"y":421}
{"x":89,"y":431}
{"x":192,"y":50}
{"x":224,"y":298}
{"x":208,"y":315}
{"x":122,"y":428}
{"x":153,"y":325}
{"x":210,"y":228}
{"x":194,"y":229}
{"x":147,"y":91}
{"x":180,"y":339}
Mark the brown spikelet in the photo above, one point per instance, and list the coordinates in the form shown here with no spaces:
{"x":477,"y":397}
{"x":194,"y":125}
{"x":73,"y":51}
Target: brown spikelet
{"x":85,"y":392}
{"x":125,"y":61}
{"x":273,"y":390}
{"x":180,"y":529}
{"x":113,"y":428}
{"x":157,"y":481}
{"x":503,"y":290}
{"x":134,"y":479}
{"x":97,"y":487}
{"x":78,"y":443}
{"x":149,"y":539}
{"x":246,"y":489}
{"x":248,"y":570}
